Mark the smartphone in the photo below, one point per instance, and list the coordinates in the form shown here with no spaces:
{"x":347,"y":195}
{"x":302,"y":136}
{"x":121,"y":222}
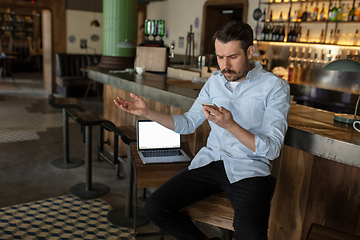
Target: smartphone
{"x":209,"y":104}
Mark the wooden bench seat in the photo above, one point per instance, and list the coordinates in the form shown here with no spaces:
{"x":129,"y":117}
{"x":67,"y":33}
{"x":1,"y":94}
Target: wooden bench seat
{"x":319,"y":232}
{"x":216,"y":210}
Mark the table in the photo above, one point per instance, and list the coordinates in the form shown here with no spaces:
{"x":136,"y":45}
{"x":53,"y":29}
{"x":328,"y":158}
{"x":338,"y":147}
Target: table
{"x":150,"y":176}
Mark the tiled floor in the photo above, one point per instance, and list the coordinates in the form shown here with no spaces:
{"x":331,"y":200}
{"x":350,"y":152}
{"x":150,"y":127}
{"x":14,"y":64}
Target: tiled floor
{"x":30,"y":138}
{"x":17,"y":124}
{"x":64,"y":217}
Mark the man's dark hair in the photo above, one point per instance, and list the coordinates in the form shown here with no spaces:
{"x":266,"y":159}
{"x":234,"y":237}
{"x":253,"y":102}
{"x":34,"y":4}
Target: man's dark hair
{"x":233,"y":31}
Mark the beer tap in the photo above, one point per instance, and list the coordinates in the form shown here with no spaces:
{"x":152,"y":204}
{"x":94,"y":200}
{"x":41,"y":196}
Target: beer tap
{"x":172,"y":53}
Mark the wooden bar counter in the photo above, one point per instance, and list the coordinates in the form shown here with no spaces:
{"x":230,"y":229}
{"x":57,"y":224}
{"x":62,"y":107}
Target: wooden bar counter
{"x":318,"y":171}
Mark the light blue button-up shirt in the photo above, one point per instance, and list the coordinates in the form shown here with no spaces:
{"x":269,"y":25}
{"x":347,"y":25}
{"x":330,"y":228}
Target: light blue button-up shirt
{"x":259,"y":104}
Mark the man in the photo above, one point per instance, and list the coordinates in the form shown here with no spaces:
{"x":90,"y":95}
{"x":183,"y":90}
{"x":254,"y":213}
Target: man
{"x":248,"y":125}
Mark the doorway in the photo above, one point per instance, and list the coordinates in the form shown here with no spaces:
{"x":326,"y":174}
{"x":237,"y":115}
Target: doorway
{"x":215,"y":14}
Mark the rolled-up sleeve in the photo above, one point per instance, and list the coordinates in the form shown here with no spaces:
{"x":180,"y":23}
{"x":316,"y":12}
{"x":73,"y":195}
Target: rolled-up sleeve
{"x":274,"y":126}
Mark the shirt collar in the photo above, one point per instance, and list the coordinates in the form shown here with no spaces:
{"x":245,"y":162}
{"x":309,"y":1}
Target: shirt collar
{"x":249,"y":76}
{"x":252,"y":73}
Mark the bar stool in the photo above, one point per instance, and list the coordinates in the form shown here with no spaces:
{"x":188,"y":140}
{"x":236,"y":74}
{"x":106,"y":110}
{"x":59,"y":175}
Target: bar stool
{"x":127,"y":135}
{"x":66,"y":103}
{"x":88,"y":189}
{"x":122,"y":216}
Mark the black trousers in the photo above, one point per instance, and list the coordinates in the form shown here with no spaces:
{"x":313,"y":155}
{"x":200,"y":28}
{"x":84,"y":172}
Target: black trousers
{"x":249,"y":197}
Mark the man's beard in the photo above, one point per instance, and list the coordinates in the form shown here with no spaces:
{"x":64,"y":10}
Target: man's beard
{"x":238,"y":75}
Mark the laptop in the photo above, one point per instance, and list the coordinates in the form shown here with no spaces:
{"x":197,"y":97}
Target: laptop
{"x":158,"y":144}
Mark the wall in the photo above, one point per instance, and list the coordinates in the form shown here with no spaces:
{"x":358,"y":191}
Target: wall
{"x":179,"y":15}
{"x":83,"y":30}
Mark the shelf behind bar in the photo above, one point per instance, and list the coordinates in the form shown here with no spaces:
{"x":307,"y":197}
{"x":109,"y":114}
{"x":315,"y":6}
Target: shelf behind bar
{"x":307,"y":44}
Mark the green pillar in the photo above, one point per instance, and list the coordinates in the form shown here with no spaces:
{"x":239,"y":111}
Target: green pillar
{"x":119,"y":19}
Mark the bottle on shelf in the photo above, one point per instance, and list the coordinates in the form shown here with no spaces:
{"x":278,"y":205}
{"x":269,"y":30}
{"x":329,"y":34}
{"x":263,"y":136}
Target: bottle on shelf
{"x":282,"y":34}
{"x":280,"y":17}
{"x":294,"y":34}
{"x":356,"y":38}
{"x":275,"y":35}
{"x":315,"y":12}
{"x":351,"y":16}
{"x":339,"y":12}
{"x":293,"y":18}
{"x":305,"y":14}
{"x":291,"y":72}
{"x":357,"y":13}
{"x":333,"y":13}
{"x":289,"y":35}
{"x":263,"y":32}
{"x":289,"y":18}
{"x":345,"y":14}
{"x":267,"y":31}
{"x":329,"y":56}
{"x":271,"y":16}
{"x":299,"y":13}
{"x":322,"y":36}
{"x":337,"y":36}
{"x":307,"y":36}
{"x":298,"y":34}
{"x":271,"y":30}
{"x":322,"y":16}
{"x":330,"y":38}
{"x":263,"y":18}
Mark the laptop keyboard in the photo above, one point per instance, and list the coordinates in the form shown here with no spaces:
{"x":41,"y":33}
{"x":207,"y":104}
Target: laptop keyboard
{"x":162,"y":153}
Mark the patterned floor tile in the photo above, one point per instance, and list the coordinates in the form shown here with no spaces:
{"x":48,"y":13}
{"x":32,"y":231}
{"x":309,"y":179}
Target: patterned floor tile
{"x":18,"y":124}
{"x":65,"y":217}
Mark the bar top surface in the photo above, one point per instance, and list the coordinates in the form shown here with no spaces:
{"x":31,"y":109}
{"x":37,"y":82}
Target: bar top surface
{"x":310,"y":129}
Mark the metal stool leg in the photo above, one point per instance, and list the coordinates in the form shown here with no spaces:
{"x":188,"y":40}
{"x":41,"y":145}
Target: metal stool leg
{"x":66,"y":162}
{"x":123,"y":216}
{"x":88,"y":190}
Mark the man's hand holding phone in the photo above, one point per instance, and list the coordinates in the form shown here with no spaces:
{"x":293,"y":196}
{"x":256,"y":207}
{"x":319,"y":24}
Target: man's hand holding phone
{"x":213,"y":105}
{"x":210,"y":108}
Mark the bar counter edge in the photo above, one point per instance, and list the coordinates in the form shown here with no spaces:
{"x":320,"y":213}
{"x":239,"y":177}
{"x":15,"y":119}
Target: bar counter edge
{"x":345,"y":150}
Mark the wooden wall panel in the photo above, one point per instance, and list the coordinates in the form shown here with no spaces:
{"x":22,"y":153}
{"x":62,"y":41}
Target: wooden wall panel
{"x":334,"y":196}
{"x":289,"y":201}
{"x":310,"y":190}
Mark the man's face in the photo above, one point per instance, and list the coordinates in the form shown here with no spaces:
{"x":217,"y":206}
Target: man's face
{"x":234,"y":63}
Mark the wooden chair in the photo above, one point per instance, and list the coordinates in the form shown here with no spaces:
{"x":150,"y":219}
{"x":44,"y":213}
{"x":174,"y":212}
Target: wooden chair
{"x":216,"y":210}
{"x":35,"y":51}
{"x":7,"y":48}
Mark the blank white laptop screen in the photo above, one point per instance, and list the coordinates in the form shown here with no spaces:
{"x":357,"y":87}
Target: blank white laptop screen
{"x":158,"y":144}
{"x":152,"y":135}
